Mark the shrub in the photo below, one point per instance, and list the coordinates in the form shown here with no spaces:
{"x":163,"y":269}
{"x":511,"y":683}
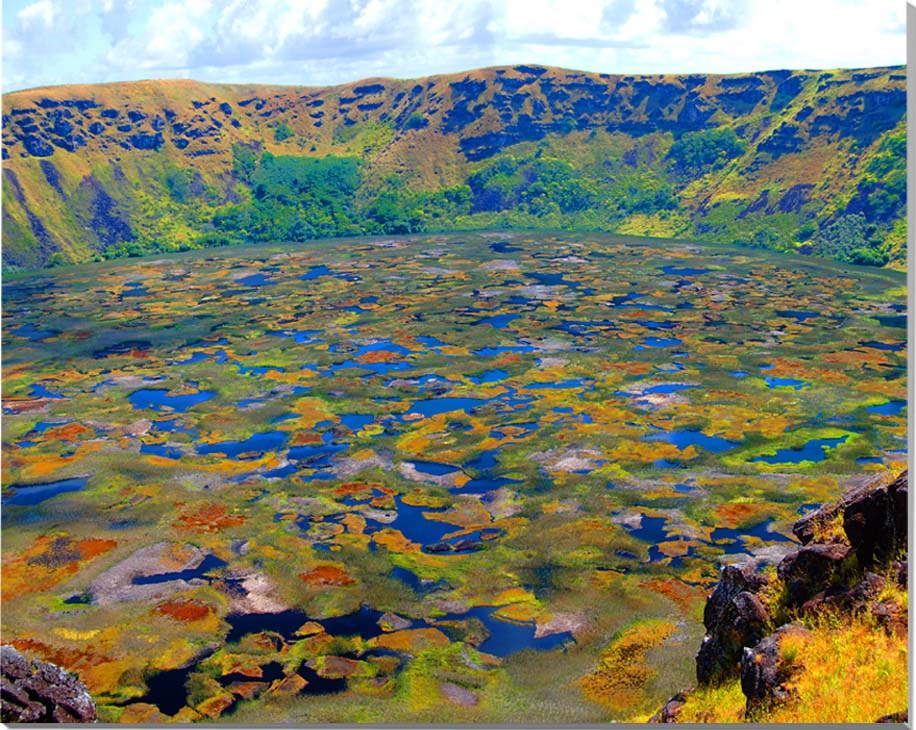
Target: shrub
{"x":698,"y":152}
{"x":282,"y":132}
{"x":416,"y":121}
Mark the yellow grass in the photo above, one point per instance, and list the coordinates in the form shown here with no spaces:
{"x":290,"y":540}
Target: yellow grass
{"x":723,"y":703}
{"x":853,"y":673}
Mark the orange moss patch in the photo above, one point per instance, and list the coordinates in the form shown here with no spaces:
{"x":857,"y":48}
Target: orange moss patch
{"x":70,"y":659}
{"x":682,"y":594}
{"x":336,"y":667}
{"x":303,"y":438}
{"x":139,"y":713}
{"x":355,"y":524}
{"x":378,"y":356}
{"x":310,"y":628}
{"x":633,"y":368}
{"x":184,"y":610}
{"x":410,"y":640}
{"x":209,"y":518}
{"x":47,"y":465}
{"x":50,"y":560}
{"x":100,"y":673}
{"x":351,"y":488}
{"x":216,"y":705}
{"x":69,"y":432}
{"x":289,"y":685}
{"x":327,"y":575}
{"x":394,"y":541}
{"x":674,"y":548}
{"x":734,"y":514}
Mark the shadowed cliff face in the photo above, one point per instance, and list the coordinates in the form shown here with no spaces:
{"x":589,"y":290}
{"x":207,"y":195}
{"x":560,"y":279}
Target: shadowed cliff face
{"x":88,"y":167}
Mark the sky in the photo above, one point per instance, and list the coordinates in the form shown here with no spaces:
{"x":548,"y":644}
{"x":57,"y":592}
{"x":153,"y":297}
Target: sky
{"x":325,"y":42}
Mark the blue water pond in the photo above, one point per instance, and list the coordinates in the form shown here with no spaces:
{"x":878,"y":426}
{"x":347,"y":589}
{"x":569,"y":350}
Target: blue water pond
{"x":815,"y":450}
{"x":32,"y":494}
{"x":891,"y":408}
{"x":684,"y":438}
{"x":155,"y":399}
{"x":259,"y":443}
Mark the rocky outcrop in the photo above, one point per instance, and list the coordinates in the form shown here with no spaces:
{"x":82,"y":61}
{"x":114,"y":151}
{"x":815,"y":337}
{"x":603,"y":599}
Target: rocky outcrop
{"x":812,"y":569}
{"x":765,"y":669}
{"x":734,"y":618}
{"x":831,"y":572}
{"x":875,"y":521}
{"x":35,"y":691}
{"x":671,"y":709}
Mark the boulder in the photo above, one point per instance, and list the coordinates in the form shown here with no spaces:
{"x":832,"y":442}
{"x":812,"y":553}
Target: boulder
{"x":857,"y":598}
{"x":671,"y":709}
{"x":35,"y":691}
{"x":875,"y":521}
{"x":765,"y":669}
{"x":734,"y":618}
{"x":812,"y":569}
{"x":805,"y":527}
{"x":896,"y":717}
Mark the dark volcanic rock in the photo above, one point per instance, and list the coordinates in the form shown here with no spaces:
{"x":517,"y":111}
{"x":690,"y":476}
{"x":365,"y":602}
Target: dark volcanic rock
{"x":875,"y":521}
{"x":101,"y":214}
{"x":671,"y":709}
{"x":52,"y":176}
{"x":35,"y":691}
{"x":36,"y":146}
{"x":764,"y":669}
{"x":144,"y":141}
{"x":812,"y":569}
{"x":854,"y":599}
{"x":795,"y":198}
{"x":734,"y":618}
{"x":899,"y":717}
{"x":805,"y":527}
{"x":821,"y":575}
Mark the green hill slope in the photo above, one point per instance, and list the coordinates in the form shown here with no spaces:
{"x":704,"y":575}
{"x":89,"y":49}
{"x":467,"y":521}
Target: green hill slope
{"x":794,"y":160}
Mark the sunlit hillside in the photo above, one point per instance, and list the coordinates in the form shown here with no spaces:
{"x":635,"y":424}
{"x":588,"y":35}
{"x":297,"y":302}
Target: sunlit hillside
{"x":812,"y":161}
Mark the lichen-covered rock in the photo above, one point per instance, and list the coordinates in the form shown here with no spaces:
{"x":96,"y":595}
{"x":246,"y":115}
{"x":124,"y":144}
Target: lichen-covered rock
{"x":734,"y":618}
{"x":765,"y":669}
{"x":35,"y":691}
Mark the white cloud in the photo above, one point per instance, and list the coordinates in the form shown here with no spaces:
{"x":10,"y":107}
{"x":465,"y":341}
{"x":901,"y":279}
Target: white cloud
{"x":556,"y":17}
{"x":37,"y":16}
{"x":331,"y":41}
{"x":644,"y":21}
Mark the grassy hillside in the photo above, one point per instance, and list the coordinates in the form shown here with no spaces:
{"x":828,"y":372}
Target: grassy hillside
{"x":806,"y":160}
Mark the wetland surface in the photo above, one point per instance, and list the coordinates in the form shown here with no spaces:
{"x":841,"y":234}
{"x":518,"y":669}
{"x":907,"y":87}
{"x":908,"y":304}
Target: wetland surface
{"x":429,"y":478}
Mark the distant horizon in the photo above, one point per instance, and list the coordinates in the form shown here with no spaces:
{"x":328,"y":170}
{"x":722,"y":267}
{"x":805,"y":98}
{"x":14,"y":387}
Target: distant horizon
{"x":448,"y":73}
{"x":324,"y":43}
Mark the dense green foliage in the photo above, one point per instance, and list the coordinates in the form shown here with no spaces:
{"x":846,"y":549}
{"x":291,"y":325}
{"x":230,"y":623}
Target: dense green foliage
{"x":295,"y":198}
{"x":282,"y":132}
{"x":699,"y":152}
{"x":851,"y":239}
